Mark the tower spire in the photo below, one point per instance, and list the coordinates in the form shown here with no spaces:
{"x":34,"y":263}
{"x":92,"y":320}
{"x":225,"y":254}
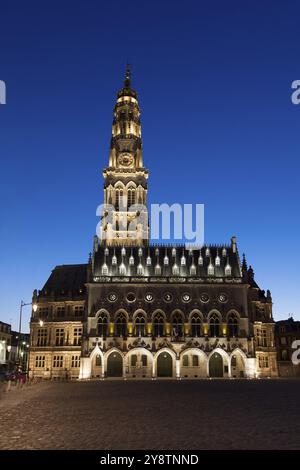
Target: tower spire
{"x":127,"y":81}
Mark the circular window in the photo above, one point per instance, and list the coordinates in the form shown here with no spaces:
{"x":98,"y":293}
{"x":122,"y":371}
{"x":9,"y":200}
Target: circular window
{"x":204,"y":297}
{"x":112,"y":297}
{"x":223,"y":298}
{"x":130,"y":297}
{"x":186,"y":297}
{"x":168,"y":297}
{"x":149,"y":297}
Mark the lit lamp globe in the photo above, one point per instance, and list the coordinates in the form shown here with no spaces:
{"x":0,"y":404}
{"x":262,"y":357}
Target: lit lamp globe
{"x":41,"y":322}
{"x":34,"y":307}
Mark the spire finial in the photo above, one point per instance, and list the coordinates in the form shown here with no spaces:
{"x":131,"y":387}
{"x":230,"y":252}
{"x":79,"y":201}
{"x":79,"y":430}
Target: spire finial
{"x":127,"y":76}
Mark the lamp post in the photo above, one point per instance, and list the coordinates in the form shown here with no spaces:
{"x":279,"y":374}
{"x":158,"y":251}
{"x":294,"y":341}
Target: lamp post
{"x":23,"y":304}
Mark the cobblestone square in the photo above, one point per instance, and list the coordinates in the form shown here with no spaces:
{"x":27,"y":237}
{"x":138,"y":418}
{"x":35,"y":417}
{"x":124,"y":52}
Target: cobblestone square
{"x":166,"y":414}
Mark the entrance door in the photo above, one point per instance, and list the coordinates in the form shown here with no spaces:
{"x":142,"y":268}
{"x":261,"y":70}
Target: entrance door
{"x":114,"y":365}
{"x":216,"y":365}
{"x":164,"y":365}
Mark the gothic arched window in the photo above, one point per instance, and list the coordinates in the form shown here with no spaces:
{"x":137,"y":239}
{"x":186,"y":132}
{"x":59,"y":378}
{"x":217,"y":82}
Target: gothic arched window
{"x":130,"y":197}
{"x":159,"y":325}
{"x":177,"y":324}
{"x":102,"y":326}
{"x":139,"y":325}
{"x":232,"y":325}
{"x":121,"y":325}
{"x":196,"y":325}
{"x":214,"y":325}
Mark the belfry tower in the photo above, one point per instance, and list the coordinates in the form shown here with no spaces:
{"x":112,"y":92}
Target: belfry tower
{"x":125,"y":217}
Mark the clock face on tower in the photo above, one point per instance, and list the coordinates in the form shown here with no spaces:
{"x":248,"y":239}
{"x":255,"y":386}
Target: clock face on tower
{"x":125,"y":160}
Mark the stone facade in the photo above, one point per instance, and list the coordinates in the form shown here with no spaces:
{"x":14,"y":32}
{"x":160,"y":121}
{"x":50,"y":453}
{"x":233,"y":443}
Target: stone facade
{"x":138,"y":310}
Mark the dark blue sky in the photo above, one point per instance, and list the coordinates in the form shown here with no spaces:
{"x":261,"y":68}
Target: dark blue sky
{"x":214,"y":83}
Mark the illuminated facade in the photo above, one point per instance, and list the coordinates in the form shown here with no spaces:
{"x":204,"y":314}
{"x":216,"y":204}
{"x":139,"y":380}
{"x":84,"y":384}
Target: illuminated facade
{"x":138,"y":310}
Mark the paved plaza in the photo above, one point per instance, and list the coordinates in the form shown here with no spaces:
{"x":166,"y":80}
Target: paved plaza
{"x":166,"y":414}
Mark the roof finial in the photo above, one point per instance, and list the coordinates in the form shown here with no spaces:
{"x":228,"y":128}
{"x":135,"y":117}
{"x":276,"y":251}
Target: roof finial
{"x":127,"y":76}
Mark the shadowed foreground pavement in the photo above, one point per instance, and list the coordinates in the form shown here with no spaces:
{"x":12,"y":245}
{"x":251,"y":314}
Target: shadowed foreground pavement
{"x":208,"y":414}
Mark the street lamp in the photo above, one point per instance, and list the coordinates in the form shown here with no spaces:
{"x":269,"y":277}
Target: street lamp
{"x":34,"y":308}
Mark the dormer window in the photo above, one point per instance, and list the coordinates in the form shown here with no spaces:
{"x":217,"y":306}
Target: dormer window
{"x":123,"y":251}
{"x":140,"y":270}
{"x":114,"y":260}
{"x":148,"y":261}
{"x":157,"y":270}
{"x":227,"y":270}
{"x":224,"y":252}
{"x":183,"y":260}
{"x":193,"y":270}
{"x":104,"y":270}
{"x":210,"y":269}
{"x":122,"y":269}
{"x":106,"y":252}
{"x":140,"y":252}
{"x":207,"y":252}
{"x":166,"y":260}
{"x":174,"y":252}
{"x":131,"y":260}
{"x":175,"y":270}
{"x":200,"y":260}
{"x":156,"y":251}
{"x":217,"y":260}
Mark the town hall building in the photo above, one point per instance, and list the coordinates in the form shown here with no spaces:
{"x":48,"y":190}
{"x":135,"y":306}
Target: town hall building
{"x":143,"y":310}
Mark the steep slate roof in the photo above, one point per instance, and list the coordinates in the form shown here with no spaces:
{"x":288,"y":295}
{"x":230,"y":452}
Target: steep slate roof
{"x":67,"y":278}
{"x":157,"y":255}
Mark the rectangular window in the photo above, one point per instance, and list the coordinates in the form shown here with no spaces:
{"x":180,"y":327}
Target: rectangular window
{"x":60,"y":312}
{"x":43,"y":312}
{"x":42,"y":337}
{"x":58,"y":361}
{"x":59,"y":337}
{"x":75,"y":361}
{"x":283,"y":340}
{"x":264,"y":338}
{"x":185,"y":360}
{"x":78,"y":310}
{"x":263,"y":362}
{"x":40,"y":361}
{"x":195,"y":360}
{"x":144,"y":360}
{"x":77,"y":336}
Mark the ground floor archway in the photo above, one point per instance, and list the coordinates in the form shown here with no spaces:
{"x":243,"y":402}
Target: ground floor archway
{"x":216,"y":365}
{"x":164,"y":365}
{"x":114,"y":365}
